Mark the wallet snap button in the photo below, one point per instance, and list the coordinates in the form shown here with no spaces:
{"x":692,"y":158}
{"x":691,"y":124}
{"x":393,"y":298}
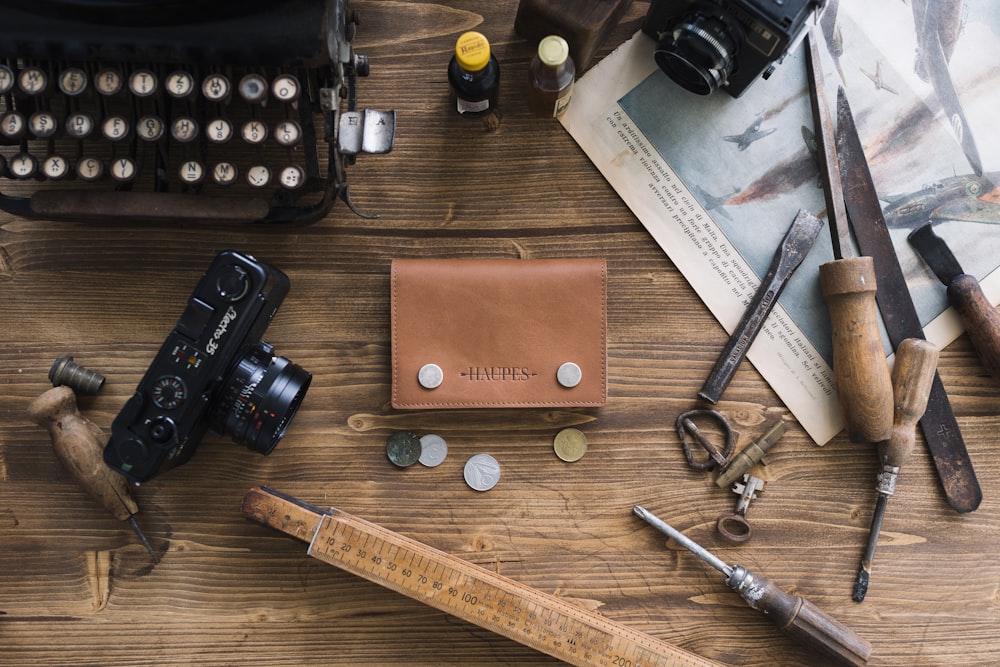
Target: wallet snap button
{"x":430,"y":376}
{"x":569,"y":375}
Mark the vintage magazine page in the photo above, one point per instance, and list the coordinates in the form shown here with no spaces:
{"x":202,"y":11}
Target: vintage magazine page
{"x":717,"y":181}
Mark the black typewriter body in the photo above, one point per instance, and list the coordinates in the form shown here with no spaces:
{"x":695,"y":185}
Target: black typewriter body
{"x":178,"y":110}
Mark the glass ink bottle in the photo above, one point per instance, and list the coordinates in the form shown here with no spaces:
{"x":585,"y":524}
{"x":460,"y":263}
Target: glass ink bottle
{"x":474,"y":76}
{"x":551,"y":77}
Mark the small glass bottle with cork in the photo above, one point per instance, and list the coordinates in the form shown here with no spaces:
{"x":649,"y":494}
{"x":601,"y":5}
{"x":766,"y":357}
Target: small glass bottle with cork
{"x":551,"y":78}
{"x":474,"y":76}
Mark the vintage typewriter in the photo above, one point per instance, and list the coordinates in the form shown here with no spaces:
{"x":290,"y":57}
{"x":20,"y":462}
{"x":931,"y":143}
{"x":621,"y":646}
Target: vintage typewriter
{"x":218,"y":110}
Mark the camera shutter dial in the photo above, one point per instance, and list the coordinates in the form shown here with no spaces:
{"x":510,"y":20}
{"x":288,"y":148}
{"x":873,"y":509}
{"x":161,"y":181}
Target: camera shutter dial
{"x":233,"y":283}
{"x":169,"y":392}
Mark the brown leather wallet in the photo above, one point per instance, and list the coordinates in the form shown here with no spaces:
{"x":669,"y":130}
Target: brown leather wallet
{"x":501,"y":333}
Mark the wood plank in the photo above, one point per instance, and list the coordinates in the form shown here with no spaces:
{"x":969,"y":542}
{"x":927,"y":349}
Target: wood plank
{"x":77,"y":588}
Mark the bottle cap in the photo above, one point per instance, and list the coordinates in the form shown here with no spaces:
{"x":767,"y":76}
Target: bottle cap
{"x":553,"y":50}
{"x":472,"y":50}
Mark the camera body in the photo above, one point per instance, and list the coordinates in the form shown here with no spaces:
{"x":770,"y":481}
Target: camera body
{"x":212,"y":372}
{"x":704,"y":45}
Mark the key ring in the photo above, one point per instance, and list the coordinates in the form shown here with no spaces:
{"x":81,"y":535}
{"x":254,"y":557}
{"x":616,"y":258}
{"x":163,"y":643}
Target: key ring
{"x":685,"y":425}
{"x":734,"y":527}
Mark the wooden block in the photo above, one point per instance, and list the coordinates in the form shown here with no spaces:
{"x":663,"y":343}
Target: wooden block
{"x":584,"y":24}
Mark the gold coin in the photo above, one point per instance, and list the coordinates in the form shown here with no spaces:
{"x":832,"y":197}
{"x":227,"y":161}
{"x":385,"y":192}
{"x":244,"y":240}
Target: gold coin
{"x":570,"y":444}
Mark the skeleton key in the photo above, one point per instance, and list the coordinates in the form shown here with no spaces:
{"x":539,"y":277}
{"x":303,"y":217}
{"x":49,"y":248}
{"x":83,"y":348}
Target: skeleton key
{"x":735,"y":527}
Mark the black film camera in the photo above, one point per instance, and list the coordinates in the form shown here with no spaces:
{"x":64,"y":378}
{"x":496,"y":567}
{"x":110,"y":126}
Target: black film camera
{"x":705,"y":45}
{"x":213,"y":371}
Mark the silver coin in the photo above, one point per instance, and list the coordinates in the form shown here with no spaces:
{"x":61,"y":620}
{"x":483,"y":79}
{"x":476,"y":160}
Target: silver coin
{"x":482,"y":472}
{"x":433,"y":450}
{"x":403,"y":448}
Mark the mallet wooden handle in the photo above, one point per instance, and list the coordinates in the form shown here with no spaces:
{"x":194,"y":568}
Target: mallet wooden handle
{"x":864,"y":386}
{"x":981,"y":320}
{"x":79,"y":443}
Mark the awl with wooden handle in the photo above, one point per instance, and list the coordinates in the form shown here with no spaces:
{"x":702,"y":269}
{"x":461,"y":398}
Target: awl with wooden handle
{"x":980,"y":318}
{"x":79,"y":445}
{"x":912,"y":377}
{"x":792,"y":613}
{"x":861,"y":372}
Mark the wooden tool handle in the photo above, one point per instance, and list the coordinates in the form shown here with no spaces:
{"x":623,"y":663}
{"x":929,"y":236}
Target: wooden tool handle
{"x":981,"y":320}
{"x":861,"y":372}
{"x":79,"y":443}
{"x":800,"y":618}
{"x":912,"y":377}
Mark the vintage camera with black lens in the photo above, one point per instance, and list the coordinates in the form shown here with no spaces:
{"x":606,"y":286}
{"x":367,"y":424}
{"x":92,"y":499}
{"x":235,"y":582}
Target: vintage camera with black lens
{"x":704,"y":45}
{"x":212,"y":372}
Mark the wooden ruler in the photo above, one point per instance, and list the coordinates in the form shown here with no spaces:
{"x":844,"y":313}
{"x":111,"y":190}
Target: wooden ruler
{"x":463,"y":589}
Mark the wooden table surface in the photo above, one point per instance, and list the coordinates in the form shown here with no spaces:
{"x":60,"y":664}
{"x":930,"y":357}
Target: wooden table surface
{"x":76,"y":587}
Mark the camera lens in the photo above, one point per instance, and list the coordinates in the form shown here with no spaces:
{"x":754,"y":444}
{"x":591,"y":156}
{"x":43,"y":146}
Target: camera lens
{"x":259,"y":399}
{"x":699,"y":50}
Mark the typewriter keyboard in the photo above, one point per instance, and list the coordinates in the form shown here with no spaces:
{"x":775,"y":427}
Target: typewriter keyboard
{"x":163,"y":128}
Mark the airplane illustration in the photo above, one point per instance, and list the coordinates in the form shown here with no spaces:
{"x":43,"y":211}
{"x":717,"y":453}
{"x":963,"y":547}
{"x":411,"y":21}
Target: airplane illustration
{"x":750,"y":135}
{"x":938,"y":25}
{"x":714,"y":202}
{"x":967,"y":198}
{"x":878,"y":79}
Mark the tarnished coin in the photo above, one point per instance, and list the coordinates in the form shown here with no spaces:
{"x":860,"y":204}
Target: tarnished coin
{"x":433,"y":450}
{"x":482,"y":472}
{"x":570,"y":444}
{"x":403,"y":448}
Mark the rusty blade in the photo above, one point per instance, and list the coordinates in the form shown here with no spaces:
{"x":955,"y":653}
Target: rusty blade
{"x":826,"y":151}
{"x":941,"y":432}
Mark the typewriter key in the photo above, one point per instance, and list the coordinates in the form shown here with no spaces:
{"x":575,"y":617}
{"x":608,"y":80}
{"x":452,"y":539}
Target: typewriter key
{"x":224,"y":173}
{"x":219,"y":131}
{"x":13,"y":125}
{"x":32,"y":80}
{"x":6,"y":79}
{"x":180,"y":84}
{"x":123,"y":170}
{"x":285,"y":88}
{"x":215,"y":88}
{"x":192,"y":172}
{"x":55,"y":167}
{"x":258,"y":176}
{"x":292,"y":177}
{"x":184,"y":129}
{"x":73,"y":81}
{"x":288,"y":133}
{"x":79,"y":125}
{"x":42,"y":124}
{"x":254,"y":132}
{"x":108,"y":81}
{"x":23,"y":166}
{"x":114,"y":128}
{"x":142,"y":83}
{"x":89,"y":169}
{"x":253,"y":88}
{"x":149,"y":128}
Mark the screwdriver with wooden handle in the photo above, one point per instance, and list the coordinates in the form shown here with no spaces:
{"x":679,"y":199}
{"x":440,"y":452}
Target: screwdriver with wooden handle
{"x":912,"y":376}
{"x":794,"y":614}
{"x":861,"y":372}
{"x":79,"y":445}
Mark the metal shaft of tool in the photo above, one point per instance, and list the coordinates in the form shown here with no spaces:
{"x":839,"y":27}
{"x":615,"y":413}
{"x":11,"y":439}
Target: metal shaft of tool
{"x":789,"y":255}
{"x":826,"y":153}
{"x":142,"y":538}
{"x":865,"y":571}
{"x":681,"y":538}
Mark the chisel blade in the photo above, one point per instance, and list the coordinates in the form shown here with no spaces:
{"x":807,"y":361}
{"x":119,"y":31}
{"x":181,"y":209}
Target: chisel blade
{"x":936,"y":253}
{"x":940,"y":428}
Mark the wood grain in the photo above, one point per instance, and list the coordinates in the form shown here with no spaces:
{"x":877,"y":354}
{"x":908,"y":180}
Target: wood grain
{"x":76,"y":588}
